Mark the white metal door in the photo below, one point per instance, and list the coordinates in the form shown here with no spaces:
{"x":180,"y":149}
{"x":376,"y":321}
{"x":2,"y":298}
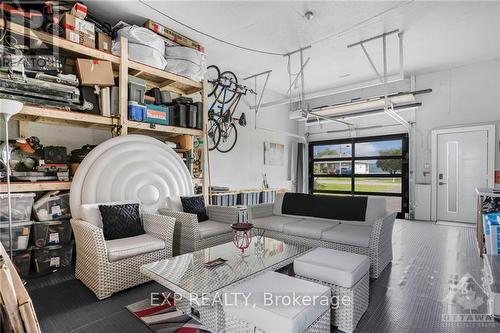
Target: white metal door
{"x":462,"y":166}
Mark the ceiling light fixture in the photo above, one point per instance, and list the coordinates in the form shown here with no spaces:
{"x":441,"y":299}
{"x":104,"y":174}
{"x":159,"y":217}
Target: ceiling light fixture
{"x":309,"y":15}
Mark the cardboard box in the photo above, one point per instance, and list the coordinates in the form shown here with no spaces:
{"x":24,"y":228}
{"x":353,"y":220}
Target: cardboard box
{"x":92,"y":72}
{"x":173,"y":36}
{"x":104,"y":42}
{"x":78,"y":30}
{"x":79,"y":10}
{"x":185,"y":141}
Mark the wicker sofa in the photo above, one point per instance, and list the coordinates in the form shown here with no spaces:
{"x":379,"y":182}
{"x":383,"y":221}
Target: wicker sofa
{"x":353,"y":224}
{"x":191,"y":235}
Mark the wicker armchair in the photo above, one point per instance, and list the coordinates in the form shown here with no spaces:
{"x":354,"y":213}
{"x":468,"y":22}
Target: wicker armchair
{"x":106,"y":277}
{"x":191,"y":235}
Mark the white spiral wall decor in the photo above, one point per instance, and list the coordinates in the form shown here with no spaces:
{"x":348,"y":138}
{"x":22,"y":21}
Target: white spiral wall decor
{"x":132,"y":167}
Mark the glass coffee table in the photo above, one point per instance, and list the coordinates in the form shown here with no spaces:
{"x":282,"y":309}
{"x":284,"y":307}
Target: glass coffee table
{"x":198,"y":288}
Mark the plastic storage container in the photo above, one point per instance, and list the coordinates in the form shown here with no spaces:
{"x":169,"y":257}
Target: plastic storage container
{"x":22,"y":204}
{"x":224,"y":199}
{"x":192,"y":111}
{"x":51,"y":233}
{"x":156,"y":114}
{"x":20,"y":235}
{"x":179,"y":115}
{"x":22,"y":260}
{"x":52,"y":206}
{"x":51,"y":258}
{"x":136,"y":89}
{"x":491,"y":227}
{"x":136,"y":111}
{"x":248,"y":198}
{"x":267,"y":196}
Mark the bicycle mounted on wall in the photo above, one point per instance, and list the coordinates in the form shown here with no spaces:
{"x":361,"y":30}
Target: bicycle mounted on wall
{"x":222,"y":133}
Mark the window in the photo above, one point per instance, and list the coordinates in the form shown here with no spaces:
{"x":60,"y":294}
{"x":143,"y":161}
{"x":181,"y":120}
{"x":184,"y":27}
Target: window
{"x":362,"y":166}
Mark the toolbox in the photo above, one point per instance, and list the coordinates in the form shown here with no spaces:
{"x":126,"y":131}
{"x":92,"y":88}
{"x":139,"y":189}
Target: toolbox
{"x":136,"y":111}
{"x":157,"y":114}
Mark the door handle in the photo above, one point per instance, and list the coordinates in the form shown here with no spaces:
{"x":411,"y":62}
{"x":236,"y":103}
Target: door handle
{"x":442,"y":183}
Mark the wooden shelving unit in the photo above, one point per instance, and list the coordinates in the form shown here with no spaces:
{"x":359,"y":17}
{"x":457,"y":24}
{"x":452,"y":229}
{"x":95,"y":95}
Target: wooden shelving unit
{"x":36,"y":186}
{"x":123,"y":67}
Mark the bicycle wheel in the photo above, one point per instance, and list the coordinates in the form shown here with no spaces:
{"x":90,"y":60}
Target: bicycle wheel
{"x":229,"y":79}
{"x":213,"y":134}
{"x":228,"y":137}
{"x":213,"y":74}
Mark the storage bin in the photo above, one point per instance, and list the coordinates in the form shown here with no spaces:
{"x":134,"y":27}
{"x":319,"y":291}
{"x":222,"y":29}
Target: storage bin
{"x":22,"y":260}
{"x":52,"y":206}
{"x":136,"y":112}
{"x":20,"y":235}
{"x":51,"y":233}
{"x":248,"y":198}
{"x":22,"y":204}
{"x":267,"y":196}
{"x":179,"y":115}
{"x":50,"y":258}
{"x":224,"y":199}
{"x":192,"y":111}
{"x":136,"y":89}
{"x":156,"y":114}
{"x":491,"y":226}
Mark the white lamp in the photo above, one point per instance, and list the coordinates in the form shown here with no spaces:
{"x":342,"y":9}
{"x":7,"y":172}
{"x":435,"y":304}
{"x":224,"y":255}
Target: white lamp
{"x":8,"y":108}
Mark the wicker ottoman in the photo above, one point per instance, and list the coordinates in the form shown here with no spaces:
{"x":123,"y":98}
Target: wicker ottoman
{"x":261,"y":304}
{"x":347,"y":274}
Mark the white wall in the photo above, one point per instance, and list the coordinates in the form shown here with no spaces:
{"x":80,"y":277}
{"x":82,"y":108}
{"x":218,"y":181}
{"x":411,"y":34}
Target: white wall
{"x":460,"y":96}
{"x":243,"y":166}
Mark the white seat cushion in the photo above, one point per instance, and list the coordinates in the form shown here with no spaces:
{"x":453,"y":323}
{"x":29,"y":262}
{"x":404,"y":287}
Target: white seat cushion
{"x":211,"y":228}
{"x":90,"y":212}
{"x":129,"y":247}
{"x":357,"y":235}
{"x":274,"y":223}
{"x":310,"y":228}
{"x":336,"y":267}
{"x":265,"y":310}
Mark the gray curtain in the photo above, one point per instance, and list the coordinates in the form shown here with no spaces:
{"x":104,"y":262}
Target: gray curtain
{"x":300,"y":168}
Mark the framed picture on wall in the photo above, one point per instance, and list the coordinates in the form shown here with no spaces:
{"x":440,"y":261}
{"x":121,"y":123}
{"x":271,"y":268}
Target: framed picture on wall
{"x":274,"y":153}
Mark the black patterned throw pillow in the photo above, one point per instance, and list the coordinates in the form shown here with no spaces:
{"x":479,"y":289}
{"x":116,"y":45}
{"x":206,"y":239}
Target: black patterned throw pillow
{"x":121,"y":221}
{"x":195,"y":205}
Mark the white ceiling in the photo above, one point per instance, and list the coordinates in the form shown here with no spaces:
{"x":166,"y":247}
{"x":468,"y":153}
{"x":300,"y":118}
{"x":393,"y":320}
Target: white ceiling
{"x":437,"y":35}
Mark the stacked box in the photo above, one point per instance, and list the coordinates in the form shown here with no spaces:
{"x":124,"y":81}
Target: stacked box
{"x":20,"y":235}
{"x":267,"y":196}
{"x":51,"y":258}
{"x":491,"y":226}
{"x":21,"y":203}
{"x":51,"y":233}
{"x":248,"y":198}
{"x":21,"y":260}
{"x":156,"y":114}
{"x":52,"y":206}
{"x":224,"y":199}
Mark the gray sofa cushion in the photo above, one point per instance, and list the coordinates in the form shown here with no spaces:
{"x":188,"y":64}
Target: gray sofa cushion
{"x":274,"y":223}
{"x":309,"y":228}
{"x":325,"y":206}
{"x":129,"y":247}
{"x":211,"y":228}
{"x":356,"y":235}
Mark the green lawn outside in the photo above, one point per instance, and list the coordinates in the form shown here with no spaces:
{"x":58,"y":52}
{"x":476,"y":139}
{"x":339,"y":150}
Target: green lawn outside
{"x":362,"y":184}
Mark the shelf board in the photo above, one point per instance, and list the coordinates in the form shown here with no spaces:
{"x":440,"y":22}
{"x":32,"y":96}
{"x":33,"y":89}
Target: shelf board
{"x":164,"y":80}
{"x":63,"y":117}
{"x":138,"y":126}
{"x":35,"y":186}
{"x":57,"y":42}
